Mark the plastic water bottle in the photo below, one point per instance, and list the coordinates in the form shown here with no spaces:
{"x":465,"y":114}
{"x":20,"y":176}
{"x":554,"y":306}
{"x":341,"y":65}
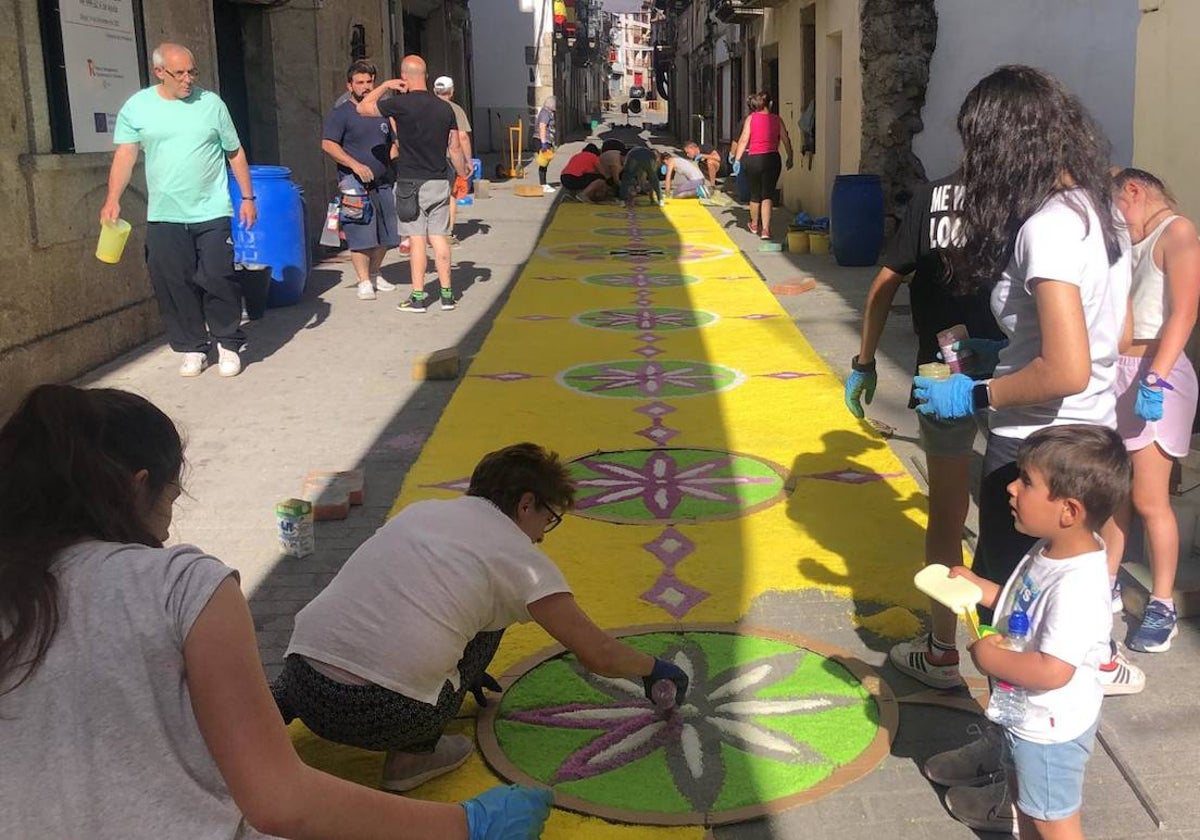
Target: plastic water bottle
{"x":1007,"y":706}
{"x":663,"y":694}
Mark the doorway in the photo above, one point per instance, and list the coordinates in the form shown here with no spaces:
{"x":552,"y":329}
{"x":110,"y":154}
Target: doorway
{"x":231,"y":68}
{"x":833,"y":120}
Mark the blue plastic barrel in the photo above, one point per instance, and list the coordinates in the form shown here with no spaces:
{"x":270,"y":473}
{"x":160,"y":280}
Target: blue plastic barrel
{"x":277,"y":238}
{"x":856,"y":219}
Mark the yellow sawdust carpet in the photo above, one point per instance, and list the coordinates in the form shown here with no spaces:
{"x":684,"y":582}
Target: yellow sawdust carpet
{"x":716,"y":459}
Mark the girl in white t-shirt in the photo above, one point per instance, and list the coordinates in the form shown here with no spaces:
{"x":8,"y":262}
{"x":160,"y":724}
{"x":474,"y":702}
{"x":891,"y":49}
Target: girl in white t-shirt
{"x":132,"y":695}
{"x":1038,"y":228}
{"x":1156,"y":386}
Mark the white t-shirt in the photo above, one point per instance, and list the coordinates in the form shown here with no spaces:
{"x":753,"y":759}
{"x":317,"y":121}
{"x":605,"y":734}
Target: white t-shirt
{"x":1055,"y":244}
{"x":687,"y":169}
{"x":101,"y":741}
{"x":1070,"y":618}
{"x":404,"y":606}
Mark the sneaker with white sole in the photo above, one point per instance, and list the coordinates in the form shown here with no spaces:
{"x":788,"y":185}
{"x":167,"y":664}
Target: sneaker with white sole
{"x":229,"y":363}
{"x":973,"y":764}
{"x":405,"y":771}
{"x":548,"y":190}
{"x":1118,"y":603}
{"x":193,"y":364}
{"x":912,"y":658}
{"x":365,"y":290}
{"x":1159,"y":626}
{"x":985,"y":808}
{"x":447,"y":300}
{"x":1119,"y":677}
{"x":412,"y":303}
{"x":382,"y":285}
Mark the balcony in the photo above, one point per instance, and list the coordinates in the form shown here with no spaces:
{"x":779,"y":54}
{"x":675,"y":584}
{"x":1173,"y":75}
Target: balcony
{"x":737,"y":11}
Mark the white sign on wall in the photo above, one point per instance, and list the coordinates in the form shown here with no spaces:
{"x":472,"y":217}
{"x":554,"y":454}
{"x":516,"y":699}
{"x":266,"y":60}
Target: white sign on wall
{"x":101,"y":55}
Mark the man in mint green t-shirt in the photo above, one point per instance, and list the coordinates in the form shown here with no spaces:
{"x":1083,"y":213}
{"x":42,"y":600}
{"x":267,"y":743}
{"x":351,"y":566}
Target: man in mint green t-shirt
{"x":188,"y":136}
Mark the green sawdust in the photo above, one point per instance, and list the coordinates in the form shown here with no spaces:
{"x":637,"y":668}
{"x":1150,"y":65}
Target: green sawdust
{"x":749,"y":781}
{"x":642,"y":785}
{"x":550,"y":684}
{"x":892,"y":623}
{"x":539,"y":750}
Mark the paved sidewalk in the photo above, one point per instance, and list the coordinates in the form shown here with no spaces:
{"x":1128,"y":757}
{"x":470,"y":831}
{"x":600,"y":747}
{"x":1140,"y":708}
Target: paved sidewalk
{"x":327,"y":385}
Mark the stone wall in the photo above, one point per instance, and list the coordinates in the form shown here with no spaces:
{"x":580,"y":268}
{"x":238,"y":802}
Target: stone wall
{"x":898,"y":39}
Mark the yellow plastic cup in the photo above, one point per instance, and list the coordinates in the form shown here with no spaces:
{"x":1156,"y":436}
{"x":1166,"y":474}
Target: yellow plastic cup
{"x":818,"y":243}
{"x":112,"y":241}
{"x":797,"y":241}
{"x":934,"y":370}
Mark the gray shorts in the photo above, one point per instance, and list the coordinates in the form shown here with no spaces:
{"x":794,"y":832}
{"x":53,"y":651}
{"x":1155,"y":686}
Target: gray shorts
{"x":434,"y":218}
{"x":950,"y":438}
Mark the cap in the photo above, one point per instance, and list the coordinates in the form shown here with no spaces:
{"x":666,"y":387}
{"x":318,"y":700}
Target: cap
{"x":442,"y":84}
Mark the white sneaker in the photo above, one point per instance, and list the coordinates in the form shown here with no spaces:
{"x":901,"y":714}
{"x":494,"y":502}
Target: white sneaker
{"x":382,"y":285}
{"x":912,"y":658}
{"x":229,"y":363}
{"x":365,"y":290}
{"x":973,"y":764}
{"x":193,"y":364}
{"x":1119,"y":677}
{"x":405,"y":771}
{"x":548,"y":190}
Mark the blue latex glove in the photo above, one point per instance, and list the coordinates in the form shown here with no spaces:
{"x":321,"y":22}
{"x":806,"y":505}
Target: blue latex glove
{"x":546,"y":147}
{"x":945,"y":399}
{"x":664,"y":670}
{"x":860,"y":384}
{"x":732,"y":158}
{"x":1149,"y":403}
{"x":508,"y":813}
{"x":737,"y":168}
{"x":987,"y":354}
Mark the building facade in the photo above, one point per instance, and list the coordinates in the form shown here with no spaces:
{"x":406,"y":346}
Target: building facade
{"x":280,"y":67}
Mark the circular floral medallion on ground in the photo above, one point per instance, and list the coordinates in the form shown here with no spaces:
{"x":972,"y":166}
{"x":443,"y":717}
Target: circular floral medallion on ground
{"x":644,"y":486}
{"x":769,"y":721}
{"x":629,"y":232}
{"x":657,"y":318}
{"x":641,"y":280}
{"x":638,"y":379}
{"x":676,"y":252}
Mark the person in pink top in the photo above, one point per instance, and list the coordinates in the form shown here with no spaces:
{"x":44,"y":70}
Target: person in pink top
{"x":1156,"y":387}
{"x":762,"y":133}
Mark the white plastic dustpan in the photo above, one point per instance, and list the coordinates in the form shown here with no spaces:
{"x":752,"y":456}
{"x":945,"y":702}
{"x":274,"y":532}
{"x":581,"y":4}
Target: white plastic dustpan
{"x":956,"y":593}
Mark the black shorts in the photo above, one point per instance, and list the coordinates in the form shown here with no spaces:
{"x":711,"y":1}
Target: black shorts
{"x":1001,"y":546}
{"x":762,"y":174}
{"x":575,"y":183}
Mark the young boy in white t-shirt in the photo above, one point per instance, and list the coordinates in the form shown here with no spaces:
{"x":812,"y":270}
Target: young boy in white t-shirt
{"x":1071,"y":478}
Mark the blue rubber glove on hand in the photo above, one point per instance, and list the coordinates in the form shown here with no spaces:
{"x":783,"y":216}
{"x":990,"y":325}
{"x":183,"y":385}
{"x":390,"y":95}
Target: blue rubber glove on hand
{"x":737,"y":168}
{"x":987,"y":354}
{"x":1149,"y":403}
{"x":664,"y":670}
{"x":945,"y":399}
{"x":508,"y":813}
{"x":860,"y":384}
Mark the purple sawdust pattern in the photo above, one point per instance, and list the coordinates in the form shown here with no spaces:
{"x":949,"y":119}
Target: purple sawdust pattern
{"x":460,"y":484}
{"x":658,"y":434}
{"x":674,"y":595}
{"x":670,"y":547}
{"x":539,"y":317}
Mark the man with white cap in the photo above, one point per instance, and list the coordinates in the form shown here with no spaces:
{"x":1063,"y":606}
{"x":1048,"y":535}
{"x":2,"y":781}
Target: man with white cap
{"x":443,"y":88}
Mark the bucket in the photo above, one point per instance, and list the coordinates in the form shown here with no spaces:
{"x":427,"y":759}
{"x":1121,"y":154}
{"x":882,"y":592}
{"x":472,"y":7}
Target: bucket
{"x":797,"y":241}
{"x":278,"y":238}
{"x":255,"y":282}
{"x":856,"y":219}
{"x":818,"y":243}
{"x":112,"y":241}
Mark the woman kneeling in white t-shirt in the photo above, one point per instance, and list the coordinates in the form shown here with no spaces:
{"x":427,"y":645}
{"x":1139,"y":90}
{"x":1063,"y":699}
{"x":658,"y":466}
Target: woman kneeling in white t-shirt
{"x":132,"y":697}
{"x":383,"y":658}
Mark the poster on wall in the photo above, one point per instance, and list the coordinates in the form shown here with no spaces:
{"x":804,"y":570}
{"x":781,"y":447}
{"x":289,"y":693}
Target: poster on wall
{"x":102,"y":64}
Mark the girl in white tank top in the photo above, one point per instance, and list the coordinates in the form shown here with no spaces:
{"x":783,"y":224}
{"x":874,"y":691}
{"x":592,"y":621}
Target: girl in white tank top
{"x":1156,"y":386}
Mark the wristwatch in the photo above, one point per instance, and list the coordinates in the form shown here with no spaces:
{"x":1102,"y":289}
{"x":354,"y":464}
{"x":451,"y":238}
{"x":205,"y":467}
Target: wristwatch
{"x":981,"y":395}
{"x":1153,"y":380}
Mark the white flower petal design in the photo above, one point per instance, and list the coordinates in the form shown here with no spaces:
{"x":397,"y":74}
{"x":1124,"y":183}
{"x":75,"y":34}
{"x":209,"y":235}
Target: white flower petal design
{"x":755,"y":735}
{"x":773,"y":707}
{"x":741,"y":682}
{"x":685,"y":665}
{"x":693,"y":750}
{"x":628,"y":744}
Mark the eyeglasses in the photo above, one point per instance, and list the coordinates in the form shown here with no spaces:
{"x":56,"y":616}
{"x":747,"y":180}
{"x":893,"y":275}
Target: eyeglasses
{"x":555,"y":519}
{"x":179,"y":75}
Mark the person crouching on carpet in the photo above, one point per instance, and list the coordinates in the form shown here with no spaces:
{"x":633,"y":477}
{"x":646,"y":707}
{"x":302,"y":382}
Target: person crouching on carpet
{"x":640,"y":175}
{"x":383,"y":658}
{"x":132,"y":695}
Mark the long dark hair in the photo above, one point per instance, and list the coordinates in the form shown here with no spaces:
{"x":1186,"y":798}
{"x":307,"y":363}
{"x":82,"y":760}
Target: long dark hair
{"x":1023,"y":135}
{"x":67,"y":461}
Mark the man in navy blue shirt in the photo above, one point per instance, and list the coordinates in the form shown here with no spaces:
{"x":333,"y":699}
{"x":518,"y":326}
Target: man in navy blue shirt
{"x":363,"y":148}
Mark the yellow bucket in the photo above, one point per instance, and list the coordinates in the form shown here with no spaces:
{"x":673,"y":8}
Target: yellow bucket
{"x":112,"y":241}
{"x":818,"y":243}
{"x":797,"y":241}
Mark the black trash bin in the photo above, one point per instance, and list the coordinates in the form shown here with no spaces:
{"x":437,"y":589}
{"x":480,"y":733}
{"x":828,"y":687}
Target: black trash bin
{"x":255,"y":282}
